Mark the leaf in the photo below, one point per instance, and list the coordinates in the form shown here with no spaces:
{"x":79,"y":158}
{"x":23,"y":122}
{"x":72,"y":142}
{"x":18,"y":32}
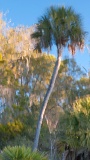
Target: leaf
{"x":0,"y":56}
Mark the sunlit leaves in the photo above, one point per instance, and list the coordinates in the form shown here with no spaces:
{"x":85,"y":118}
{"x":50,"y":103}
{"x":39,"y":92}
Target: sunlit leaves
{"x":76,"y":123}
{"x":0,"y":56}
{"x":20,"y":153}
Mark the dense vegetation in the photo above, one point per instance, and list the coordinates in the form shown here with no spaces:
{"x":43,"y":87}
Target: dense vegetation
{"x":24,"y":78}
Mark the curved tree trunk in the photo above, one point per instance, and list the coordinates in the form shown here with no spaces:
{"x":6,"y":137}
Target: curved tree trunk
{"x":46,"y":98}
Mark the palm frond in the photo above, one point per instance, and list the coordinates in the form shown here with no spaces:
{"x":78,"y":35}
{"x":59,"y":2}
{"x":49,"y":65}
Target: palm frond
{"x":60,"y":26}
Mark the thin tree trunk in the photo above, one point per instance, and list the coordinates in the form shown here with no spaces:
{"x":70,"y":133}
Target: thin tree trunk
{"x":46,"y":98}
{"x":51,"y":147}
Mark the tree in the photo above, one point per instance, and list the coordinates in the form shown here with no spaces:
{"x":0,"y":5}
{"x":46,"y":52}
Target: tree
{"x":60,"y":27}
{"x":26,"y":98}
{"x":74,"y":128}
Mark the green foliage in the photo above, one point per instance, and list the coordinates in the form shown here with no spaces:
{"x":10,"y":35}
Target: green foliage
{"x":9,"y":131}
{"x":59,"y":26}
{"x":21,"y":153}
{"x":75,"y":124}
{"x":24,"y":79}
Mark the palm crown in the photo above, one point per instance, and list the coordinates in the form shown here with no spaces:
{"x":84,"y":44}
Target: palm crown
{"x":60,"y":26}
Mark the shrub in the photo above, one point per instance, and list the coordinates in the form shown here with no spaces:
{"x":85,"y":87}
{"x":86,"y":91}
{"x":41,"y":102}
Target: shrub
{"x":21,"y":153}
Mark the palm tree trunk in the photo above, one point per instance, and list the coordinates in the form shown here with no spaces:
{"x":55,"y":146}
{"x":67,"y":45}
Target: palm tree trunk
{"x":46,"y":98}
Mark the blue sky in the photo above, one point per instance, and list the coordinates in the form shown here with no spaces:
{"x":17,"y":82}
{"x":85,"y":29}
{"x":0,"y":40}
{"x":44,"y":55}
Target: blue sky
{"x":27,"y":12}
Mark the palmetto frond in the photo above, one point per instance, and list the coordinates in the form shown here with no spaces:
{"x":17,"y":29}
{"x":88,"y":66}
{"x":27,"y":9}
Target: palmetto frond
{"x":43,"y":33}
{"x":21,"y":153}
{"x":60,"y":26}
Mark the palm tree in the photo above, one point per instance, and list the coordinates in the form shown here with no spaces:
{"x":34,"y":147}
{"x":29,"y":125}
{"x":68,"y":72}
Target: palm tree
{"x":62,"y":27}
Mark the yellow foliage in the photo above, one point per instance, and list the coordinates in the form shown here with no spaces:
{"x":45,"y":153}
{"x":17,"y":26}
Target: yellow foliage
{"x":82,"y":105}
{"x":0,"y":56}
{"x":15,"y":126}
